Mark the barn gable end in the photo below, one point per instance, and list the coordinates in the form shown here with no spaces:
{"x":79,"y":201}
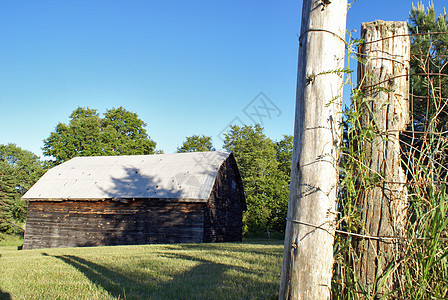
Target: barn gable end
{"x":127,"y":200}
{"x":222,"y":221}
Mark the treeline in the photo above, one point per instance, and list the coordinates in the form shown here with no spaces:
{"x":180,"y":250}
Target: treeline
{"x":264,"y":164}
{"x":19,"y":170}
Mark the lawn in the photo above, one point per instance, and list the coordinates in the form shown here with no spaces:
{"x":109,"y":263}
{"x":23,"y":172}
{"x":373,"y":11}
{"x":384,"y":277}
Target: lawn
{"x":248,"y":270}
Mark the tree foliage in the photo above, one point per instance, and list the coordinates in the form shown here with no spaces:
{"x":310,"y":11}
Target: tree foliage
{"x":196,"y":143}
{"x":120,"y":132}
{"x":264,"y":180}
{"x":429,"y":54}
{"x":284,"y":154}
{"x":19,"y":170}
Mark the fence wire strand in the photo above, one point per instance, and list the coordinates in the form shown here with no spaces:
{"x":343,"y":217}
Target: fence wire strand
{"x":424,"y":160}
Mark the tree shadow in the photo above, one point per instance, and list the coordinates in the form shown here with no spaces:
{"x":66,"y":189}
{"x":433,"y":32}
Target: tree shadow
{"x":205,"y":280}
{"x":130,"y":184}
{"x":124,"y":285}
{"x":134,"y":184}
{"x":145,"y":212}
{"x":228,"y":249}
{"x":115,"y":283}
{"x":4,"y":295}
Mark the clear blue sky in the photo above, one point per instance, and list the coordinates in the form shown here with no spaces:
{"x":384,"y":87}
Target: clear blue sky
{"x":185,"y":67}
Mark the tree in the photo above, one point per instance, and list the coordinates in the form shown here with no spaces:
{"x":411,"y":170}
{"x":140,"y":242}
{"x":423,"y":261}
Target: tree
{"x":284,"y":154}
{"x":19,"y":170}
{"x":120,"y":132}
{"x":197,"y":143}
{"x":265,"y":186}
{"x":7,"y":201}
{"x":429,"y":54}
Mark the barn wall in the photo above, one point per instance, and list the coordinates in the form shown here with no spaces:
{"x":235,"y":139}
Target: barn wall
{"x":97,"y":223}
{"x":224,"y":212}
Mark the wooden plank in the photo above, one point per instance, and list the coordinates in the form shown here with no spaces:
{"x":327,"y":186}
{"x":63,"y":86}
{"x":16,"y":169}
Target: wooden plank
{"x":74,"y":223}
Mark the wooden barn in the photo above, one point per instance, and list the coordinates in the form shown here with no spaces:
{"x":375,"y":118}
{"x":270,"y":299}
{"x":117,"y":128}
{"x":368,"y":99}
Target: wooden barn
{"x":143,"y":199}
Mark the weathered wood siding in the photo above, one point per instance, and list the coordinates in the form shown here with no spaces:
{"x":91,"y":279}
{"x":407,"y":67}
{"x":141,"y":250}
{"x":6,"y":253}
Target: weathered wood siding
{"x":224,"y":211}
{"x":98,"y":223}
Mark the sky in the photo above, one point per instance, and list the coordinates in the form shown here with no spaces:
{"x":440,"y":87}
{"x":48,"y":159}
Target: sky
{"x":185,"y":67}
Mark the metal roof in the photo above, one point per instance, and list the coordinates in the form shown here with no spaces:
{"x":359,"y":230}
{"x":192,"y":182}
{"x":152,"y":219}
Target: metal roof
{"x":169,"y":176}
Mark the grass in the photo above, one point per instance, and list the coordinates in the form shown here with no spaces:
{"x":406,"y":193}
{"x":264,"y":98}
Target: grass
{"x":10,"y":240}
{"x":248,"y":270}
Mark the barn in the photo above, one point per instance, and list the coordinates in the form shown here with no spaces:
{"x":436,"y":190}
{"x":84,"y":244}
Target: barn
{"x":141,"y":199}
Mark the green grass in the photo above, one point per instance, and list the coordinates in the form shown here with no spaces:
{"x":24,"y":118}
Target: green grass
{"x":248,"y":270}
{"x":10,"y":240}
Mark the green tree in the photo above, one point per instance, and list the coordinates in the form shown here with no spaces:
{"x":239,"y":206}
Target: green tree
{"x":429,"y":53}
{"x":196,"y":143}
{"x":120,"y":132}
{"x":265,"y":185}
{"x":7,"y":201}
{"x":19,"y":170}
{"x":284,"y":154}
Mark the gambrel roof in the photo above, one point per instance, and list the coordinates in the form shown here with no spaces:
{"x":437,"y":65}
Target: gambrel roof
{"x":187,"y":176}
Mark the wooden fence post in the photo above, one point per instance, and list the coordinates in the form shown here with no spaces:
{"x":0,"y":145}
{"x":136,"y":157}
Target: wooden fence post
{"x":309,"y":237}
{"x":384,"y":79}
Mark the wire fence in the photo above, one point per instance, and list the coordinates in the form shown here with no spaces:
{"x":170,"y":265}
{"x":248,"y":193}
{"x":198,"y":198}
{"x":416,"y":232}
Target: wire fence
{"x":418,"y":268}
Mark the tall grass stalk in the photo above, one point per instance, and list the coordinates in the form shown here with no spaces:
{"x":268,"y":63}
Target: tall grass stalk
{"x":422,"y":262}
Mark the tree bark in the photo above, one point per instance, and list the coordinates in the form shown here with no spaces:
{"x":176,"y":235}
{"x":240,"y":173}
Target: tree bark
{"x":383,"y":78}
{"x":308,"y":252}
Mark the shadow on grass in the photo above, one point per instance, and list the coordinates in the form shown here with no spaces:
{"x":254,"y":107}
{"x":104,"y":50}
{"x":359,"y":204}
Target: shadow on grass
{"x":4,"y":296}
{"x":230,"y":248}
{"x":205,"y":280}
{"x":113,"y":282}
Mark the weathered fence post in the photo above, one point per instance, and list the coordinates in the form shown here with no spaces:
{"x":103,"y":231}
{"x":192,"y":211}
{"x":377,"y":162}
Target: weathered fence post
{"x":384,"y":79}
{"x":309,"y":237}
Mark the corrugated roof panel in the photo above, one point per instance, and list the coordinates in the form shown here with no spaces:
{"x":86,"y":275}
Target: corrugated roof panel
{"x":174,"y":176}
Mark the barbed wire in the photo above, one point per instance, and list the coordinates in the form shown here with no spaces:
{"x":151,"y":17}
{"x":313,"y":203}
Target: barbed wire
{"x":402,"y":35}
{"x":365,"y":236}
{"x":417,"y":217}
{"x":403,"y":75}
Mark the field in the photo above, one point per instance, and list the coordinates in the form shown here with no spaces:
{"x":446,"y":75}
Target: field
{"x":248,"y":270}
